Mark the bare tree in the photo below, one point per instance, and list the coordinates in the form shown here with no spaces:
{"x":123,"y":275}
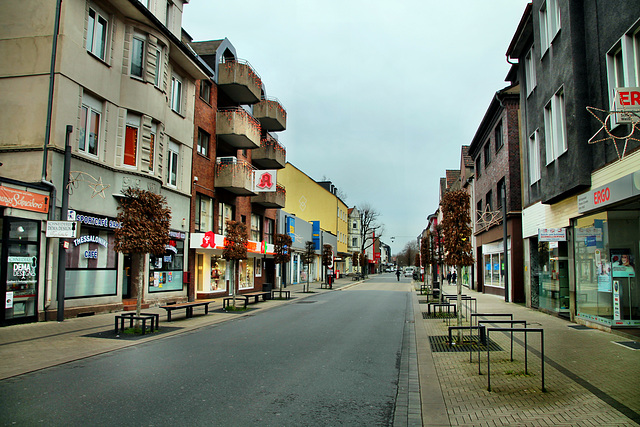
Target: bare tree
{"x":144,"y":219}
{"x":370,"y":228}
{"x":307,"y":259}
{"x":282,"y":249}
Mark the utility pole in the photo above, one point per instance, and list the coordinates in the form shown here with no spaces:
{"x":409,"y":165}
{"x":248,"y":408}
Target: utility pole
{"x":504,"y":237}
{"x":62,"y":252}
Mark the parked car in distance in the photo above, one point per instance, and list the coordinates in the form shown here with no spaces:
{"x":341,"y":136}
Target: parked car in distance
{"x":408,"y":272}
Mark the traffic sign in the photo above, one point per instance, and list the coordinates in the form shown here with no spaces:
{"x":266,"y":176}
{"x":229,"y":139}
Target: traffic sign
{"x":63,"y":229}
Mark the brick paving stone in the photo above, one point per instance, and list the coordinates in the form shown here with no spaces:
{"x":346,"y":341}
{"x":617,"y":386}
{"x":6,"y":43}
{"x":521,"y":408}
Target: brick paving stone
{"x":588,"y":378}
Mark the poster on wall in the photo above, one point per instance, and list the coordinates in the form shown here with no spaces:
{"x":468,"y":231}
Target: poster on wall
{"x":9,"y":301}
{"x":622,"y":263}
{"x":603,"y":268}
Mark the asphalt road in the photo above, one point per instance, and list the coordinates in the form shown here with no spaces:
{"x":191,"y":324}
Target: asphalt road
{"x":331,"y":359}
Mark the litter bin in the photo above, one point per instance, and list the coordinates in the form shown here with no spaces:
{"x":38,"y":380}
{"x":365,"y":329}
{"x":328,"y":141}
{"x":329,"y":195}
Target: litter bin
{"x":267,"y":287}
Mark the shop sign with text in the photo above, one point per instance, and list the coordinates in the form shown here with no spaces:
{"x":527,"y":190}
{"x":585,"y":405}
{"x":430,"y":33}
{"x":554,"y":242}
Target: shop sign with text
{"x":26,"y":200}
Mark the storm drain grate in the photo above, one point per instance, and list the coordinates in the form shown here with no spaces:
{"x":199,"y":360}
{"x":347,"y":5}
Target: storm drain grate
{"x":580,"y":327}
{"x":441,"y":344}
{"x":634,"y":345}
{"x":305,"y":302}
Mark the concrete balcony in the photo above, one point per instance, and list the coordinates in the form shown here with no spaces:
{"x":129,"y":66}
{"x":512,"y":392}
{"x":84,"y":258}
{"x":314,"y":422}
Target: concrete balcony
{"x":270,"y":155}
{"x":240,"y":82}
{"x":235,"y":176}
{"x":271,"y":115}
{"x":271,"y":199}
{"x":238,"y":129}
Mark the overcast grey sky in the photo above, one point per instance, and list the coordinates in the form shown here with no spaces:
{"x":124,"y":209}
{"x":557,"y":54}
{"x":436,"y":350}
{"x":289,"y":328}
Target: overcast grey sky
{"x":380,"y":95}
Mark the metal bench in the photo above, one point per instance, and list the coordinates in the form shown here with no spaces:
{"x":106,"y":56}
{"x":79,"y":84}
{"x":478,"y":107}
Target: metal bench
{"x":188,"y":306}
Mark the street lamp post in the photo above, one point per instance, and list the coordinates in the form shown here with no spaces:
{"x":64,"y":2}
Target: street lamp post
{"x":504,"y":237}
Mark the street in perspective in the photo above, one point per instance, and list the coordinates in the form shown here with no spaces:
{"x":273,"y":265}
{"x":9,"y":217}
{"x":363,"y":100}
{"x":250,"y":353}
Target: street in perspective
{"x":314,"y":213}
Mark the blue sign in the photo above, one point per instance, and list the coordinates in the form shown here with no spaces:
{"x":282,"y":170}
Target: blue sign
{"x":315,"y":234}
{"x":291,"y":227}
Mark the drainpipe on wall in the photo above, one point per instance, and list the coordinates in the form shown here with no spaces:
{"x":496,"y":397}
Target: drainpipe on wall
{"x":45,"y":158}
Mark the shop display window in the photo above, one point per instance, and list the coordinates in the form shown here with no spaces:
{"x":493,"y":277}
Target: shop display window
{"x":91,"y":268}
{"x":165,"y":271}
{"x":494,"y":270}
{"x":218,"y":273}
{"x":552,"y":271}
{"x":606,"y":251}
{"x":245,"y":281}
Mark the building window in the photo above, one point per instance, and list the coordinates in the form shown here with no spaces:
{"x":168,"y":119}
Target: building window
{"x":499,"y":140}
{"x":145,"y":3}
{"x":501,"y":187}
{"x":487,"y":154}
{"x":152,"y":146}
{"x":256,"y":228}
{"x":137,"y":56}
{"x":97,"y":30}
{"x":555,"y":127}
{"x":271,"y":228}
{"x":204,"y":213}
{"x":90,"y":115}
{"x":489,"y":201}
{"x":203,"y":143}
{"x":534,"y":157}
{"x":549,"y":23}
{"x":205,"y":91}
{"x":479,"y":210}
{"x":131,"y":140}
{"x":157,"y":78}
{"x":478,"y":166}
{"x":176,"y":94}
{"x":173,"y":157}
{"x":225,"y":214}
{"x":530,"y":71}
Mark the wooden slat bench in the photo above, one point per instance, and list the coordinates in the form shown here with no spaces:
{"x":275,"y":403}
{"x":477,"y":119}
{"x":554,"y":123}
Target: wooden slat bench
{"x":188,"y":306}
{"x":264,"y":294}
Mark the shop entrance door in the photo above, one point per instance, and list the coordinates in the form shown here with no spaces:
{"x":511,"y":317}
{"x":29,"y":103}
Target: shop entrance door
{"x":20,"y":250}
{"x":126,"y":277}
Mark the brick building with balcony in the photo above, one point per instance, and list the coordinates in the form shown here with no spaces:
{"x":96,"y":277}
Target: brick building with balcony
{"x":237,"y":154}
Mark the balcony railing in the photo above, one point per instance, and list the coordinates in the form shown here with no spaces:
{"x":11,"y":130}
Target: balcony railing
{"x":271,"y":199}
{"x":270,"y":155}
{"x":271,"y":114}
{"x":237,"y":128}
{"x":234,"y":175}
{"x":239,"y":81}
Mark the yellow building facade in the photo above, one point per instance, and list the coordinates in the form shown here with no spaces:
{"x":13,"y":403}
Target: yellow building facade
{"x":310,"y":201}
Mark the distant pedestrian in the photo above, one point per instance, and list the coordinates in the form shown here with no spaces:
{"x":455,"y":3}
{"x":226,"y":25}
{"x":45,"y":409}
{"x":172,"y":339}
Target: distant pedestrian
{"x":449,"y":278}
{"x":453,"y":277}
{"x":398,"y":275}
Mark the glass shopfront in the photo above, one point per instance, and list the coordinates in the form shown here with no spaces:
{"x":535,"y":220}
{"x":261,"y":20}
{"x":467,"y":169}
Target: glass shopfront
{"x":165,"y":271}
{"x":607,"y":250}
{"x":20,"y":246}
{"x":551,"y":276}
{"x":91,"y":268}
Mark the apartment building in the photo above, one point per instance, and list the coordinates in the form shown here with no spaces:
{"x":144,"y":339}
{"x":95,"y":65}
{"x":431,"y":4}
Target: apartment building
{"x":580,"y":185}
{"x":495,"y":152}
{"x":235,"y":171}
{"x":113,"y":80}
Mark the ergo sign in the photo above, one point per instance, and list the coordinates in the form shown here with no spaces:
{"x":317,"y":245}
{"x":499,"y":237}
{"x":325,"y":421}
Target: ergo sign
{"x":627,"y":100}
{"x":601,"y":196}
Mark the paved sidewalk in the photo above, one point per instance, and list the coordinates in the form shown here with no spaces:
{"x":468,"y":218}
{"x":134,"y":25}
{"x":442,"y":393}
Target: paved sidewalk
{"x":591,"y":379}
{"x":33,"y":346}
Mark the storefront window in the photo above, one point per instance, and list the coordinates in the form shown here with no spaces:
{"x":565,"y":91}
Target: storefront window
{"x":606,"y":247}
{"x":246,"y":273}
{"x":22,"y":269}
{"x":165,"y":271}
{"x":91,"y":264}
{"x":493,"y":270}
{"x":218,"y":273}
{"x":552,"y":271}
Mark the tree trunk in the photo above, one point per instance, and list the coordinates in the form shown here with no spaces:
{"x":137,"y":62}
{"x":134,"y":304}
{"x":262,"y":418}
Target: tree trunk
{"x":459,"y":302}
{"x":139,"y":284}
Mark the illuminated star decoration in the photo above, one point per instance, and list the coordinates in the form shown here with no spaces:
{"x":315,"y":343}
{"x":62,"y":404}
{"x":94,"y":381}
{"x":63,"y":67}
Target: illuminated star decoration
{"x":95,"y":184}
{"x":607,"y":118}
{"x":488,"y":219}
